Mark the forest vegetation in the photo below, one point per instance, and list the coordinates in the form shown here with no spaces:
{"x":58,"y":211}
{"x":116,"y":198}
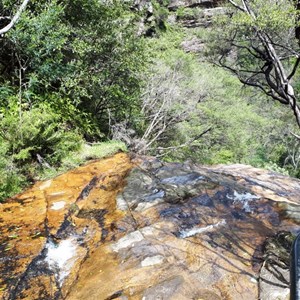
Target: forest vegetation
{"x":81,"y":79}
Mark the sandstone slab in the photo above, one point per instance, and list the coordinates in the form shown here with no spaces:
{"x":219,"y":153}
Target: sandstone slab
{"x":143,"y":229}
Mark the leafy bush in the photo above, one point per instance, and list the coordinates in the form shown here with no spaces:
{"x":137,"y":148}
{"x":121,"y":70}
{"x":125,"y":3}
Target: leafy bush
{"x":89,"y":60}
{"x":11,"y":181}
{"x":84,"y":153}
{"x":275,"y":168}
{"x":31,"y":140}
{"x":37,"y":131}
{"x":66,"y":71}
{"x":187,"y":13}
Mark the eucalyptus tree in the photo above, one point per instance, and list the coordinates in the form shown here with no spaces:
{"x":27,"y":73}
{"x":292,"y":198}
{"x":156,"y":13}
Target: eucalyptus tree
{"x":261,"y":46}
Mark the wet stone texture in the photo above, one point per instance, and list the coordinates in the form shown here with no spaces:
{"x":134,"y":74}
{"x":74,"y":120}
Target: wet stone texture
{"x":117,"y":229}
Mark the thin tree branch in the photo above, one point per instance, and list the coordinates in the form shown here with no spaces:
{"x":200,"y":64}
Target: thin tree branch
{"x":188,"y":143}
{"x":237,"y":6}
{"x":294,"y":68}
{"x":15,"y":18}
{"x":295,"y":135}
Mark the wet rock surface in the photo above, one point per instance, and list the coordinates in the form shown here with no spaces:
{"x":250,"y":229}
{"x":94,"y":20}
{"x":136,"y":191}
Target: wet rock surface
{"x":48,"y":231}
{"x":118,"y":229}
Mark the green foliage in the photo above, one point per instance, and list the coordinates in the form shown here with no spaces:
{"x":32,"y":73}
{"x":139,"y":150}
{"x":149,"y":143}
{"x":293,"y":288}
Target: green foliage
{"x":244,"y":127}
{"x":270,"y":15}
{"x":37,"y":131}
{"x":108,"y":58}
{"x":187,"y":13}
{"x":89,"y":60}
{"x":31,"y":140}
{"x":237,"y":31}
{"x":163,"y":45}
{"x":275,"y":168}
{"x":223,"y":156}
{"x":252,"y":40}
{"x":160,"y":14}
{"x":67,"y":70}
{"x":11,"y":181}
{"x":71,"y":69}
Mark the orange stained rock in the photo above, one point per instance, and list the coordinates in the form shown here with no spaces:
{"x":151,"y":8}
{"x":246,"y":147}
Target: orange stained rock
{"x":162,"y":237}
{"x":26,"y":220}
{"x":105,"y":273}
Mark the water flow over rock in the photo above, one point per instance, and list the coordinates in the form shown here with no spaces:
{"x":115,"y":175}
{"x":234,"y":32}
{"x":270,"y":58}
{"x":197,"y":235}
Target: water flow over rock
{"x":48,"y":231}
{"x":175,"y":231}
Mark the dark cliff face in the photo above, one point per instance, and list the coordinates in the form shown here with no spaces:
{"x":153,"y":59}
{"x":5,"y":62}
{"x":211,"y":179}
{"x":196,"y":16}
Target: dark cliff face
{"x":118,"y":229}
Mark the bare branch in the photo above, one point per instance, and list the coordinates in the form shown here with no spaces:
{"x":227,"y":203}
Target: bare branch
{"x":295,"y":135}
{"x":186,"y":144}
{"x":248,"y":49}
{"x":285,"y":47}
{"x":294,"y":68}
{"x":237,"y":6}
{"x":257,"y":84}
{"x":5,"y":18}
{"x":15,"y":18}
{"x":274,"y":71}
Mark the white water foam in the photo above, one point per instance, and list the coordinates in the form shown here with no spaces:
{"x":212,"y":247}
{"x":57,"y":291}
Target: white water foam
{"x":61,"y":257}
{"x":194,"y":231}
{"x":245,"y":198}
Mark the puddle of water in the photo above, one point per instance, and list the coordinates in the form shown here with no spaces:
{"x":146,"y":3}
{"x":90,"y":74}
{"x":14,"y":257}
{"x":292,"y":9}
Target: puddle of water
{"x":61,"y":257}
